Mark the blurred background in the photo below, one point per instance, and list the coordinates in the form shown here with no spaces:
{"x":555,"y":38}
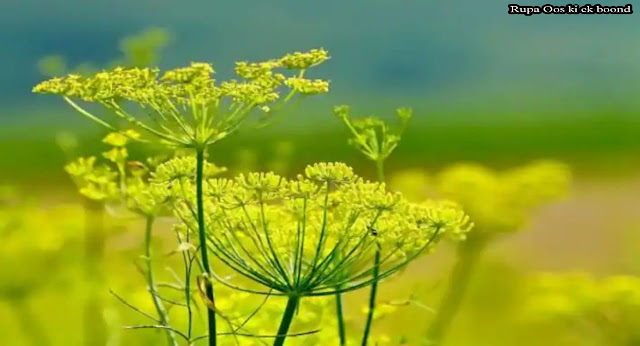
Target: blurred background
{"x":486,"y":87}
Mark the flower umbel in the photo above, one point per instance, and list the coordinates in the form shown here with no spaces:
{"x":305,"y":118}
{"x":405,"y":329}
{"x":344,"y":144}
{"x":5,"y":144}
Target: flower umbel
{"x":186,"y":105}
{"x":502,"y":201}
{"x":372,"y":136}
{"x":310,"y":235}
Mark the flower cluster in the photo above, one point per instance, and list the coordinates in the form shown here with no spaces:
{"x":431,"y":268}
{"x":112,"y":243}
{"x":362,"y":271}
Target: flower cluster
{"x":137,"y":185}
{"x":301,"y":61}
{"x":502,"y":201}
{"x":609,"y":306}
{"x":108,"y":181}
{"x":188,"y":107}
{"x":183,"y":167}
{"x":96,"y":182}
{"x":307,"y":86}
{"x":319,"y":232}
{"x":372,"y":136}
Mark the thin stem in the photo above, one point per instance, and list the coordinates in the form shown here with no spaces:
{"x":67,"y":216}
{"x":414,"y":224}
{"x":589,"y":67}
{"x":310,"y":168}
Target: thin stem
{"x":188,"y":263}
{"x":372,"y":297}
{"x":380,"y":170}
{"x":131,"y":119}
{"x":340,"y":317}
{"x":158,"y":326}
{"x":162,"y":312}
{"x":384,"y":275}
{"x":376,"y":269}
{"x":203,"y":248}
{"x":468,"y":253}
{"x":133,"y":307}
{"x":88,"y":115}
{"x":287,"y":317}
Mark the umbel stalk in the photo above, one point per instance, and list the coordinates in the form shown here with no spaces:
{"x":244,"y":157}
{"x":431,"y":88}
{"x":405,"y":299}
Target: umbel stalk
{"x":287,"y":318}
{"x":376,"y":271}
{"x":340,"y":318}
{"x":211,"y":314}
{"x":372,"y":298}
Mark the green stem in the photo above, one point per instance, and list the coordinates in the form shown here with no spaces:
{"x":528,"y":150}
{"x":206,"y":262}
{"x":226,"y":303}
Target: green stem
{"x":88,"y":115}
{"x":287,"y":317}
{"x":203,"y":244}
{"x":376,"y":270}
{"x":372,"y":298}
{"x":380,"y":170}
{"x":162,"y":312}
{"x":468,"y":253}
{"x":340,"y":318}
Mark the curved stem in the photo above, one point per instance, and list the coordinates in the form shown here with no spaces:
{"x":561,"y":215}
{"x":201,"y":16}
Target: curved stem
{"x":203,"y":248}
{"x":340,"y":319}
{"x":162,"y":312}
{"x":287,"y":318}
{"x":468,"y":253}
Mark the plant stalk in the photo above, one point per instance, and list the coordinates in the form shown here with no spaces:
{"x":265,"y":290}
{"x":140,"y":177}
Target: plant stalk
{"x":287,"y":318}
{"x":162,"y":312}
{"x":340,"y":318}
{"x":372,"y":298}
{"x":211,"y":314}
{"x":380,"y":170}
{"x":376,"y":270}
{"x":468,"y":254}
